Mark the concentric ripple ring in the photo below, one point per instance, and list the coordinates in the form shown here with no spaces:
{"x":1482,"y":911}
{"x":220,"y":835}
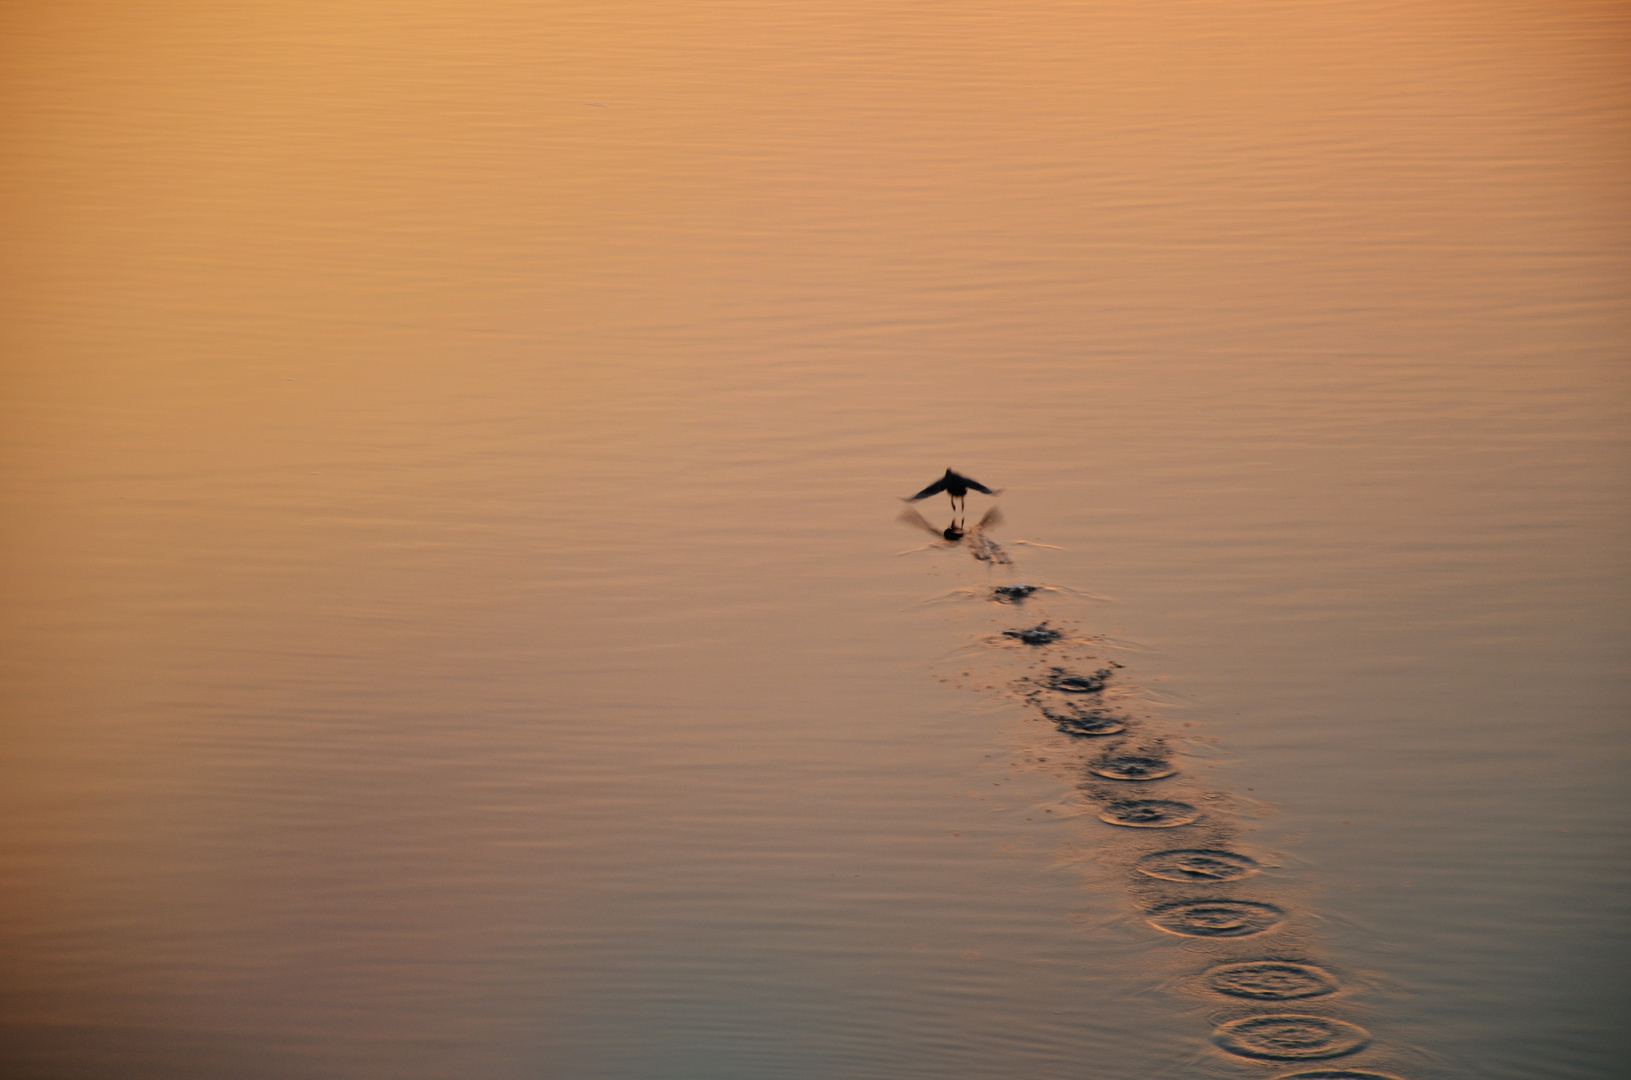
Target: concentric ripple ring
{"x":1289,"y":1037}
{"x":1132,"y":767}
{"x":1150,"y":814}
{"x":1197,"y":864}
{"x":1271,"y":980}
{"x":1215,"y":918}
{"x":1086,"y":725}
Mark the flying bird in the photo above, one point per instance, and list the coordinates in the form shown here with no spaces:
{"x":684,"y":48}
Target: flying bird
{"x":956,"y":486}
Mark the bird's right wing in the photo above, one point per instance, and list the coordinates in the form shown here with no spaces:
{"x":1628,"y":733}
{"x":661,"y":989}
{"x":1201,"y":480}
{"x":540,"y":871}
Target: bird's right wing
{"x":933,"y":489}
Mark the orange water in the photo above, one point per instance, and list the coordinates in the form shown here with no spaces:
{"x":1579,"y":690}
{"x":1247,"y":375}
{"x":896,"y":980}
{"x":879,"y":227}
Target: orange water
{"x":453,"y":623}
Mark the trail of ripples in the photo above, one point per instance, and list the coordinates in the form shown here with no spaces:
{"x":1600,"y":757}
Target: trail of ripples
{"x":1256,"y":949}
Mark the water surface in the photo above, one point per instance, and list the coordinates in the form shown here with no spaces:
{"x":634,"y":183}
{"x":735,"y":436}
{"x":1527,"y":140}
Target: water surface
{"x":454,"y":618}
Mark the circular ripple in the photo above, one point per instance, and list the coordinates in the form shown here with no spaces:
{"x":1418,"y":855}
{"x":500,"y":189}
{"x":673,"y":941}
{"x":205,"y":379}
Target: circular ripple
{"x":1064,"y":681}
{"x":1197,"y":865}
{"x":1149,"y":814}
{"x":1337,"y":1074}
{"x":1087,"y":724}
{"x":1040,"y":634}
{"x":1132,"y":768}
{"x":1271,"y":980}
{"x":1286,"y":1037}
{"x":1215,"y":918}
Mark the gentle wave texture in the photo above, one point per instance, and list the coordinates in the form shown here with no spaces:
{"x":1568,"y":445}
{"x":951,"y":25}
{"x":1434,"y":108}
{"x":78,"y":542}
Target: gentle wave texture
{"x":456,"y":620}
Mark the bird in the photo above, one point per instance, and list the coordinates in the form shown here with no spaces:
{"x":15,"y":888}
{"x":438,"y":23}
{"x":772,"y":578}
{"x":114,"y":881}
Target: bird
{"x":956,"y":486}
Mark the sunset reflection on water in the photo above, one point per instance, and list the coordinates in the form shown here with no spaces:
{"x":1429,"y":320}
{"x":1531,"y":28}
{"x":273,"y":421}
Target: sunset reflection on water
{"x":452,"y":456}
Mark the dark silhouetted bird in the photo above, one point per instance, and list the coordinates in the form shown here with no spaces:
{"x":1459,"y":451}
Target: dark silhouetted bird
{"x":954,"y":485}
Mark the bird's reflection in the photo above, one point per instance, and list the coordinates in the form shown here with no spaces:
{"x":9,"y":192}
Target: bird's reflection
{"x":981,"y":546}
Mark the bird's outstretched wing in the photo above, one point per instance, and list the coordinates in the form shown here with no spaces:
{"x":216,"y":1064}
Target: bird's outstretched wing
{"x":992,"y":518}
{"x":933,"y":489}
{"x":912,"y":517}
{"x":977,"y":486}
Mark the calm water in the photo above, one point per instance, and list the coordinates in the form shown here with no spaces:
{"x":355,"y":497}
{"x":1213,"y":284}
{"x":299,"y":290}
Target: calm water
{"x":455,"y":623}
